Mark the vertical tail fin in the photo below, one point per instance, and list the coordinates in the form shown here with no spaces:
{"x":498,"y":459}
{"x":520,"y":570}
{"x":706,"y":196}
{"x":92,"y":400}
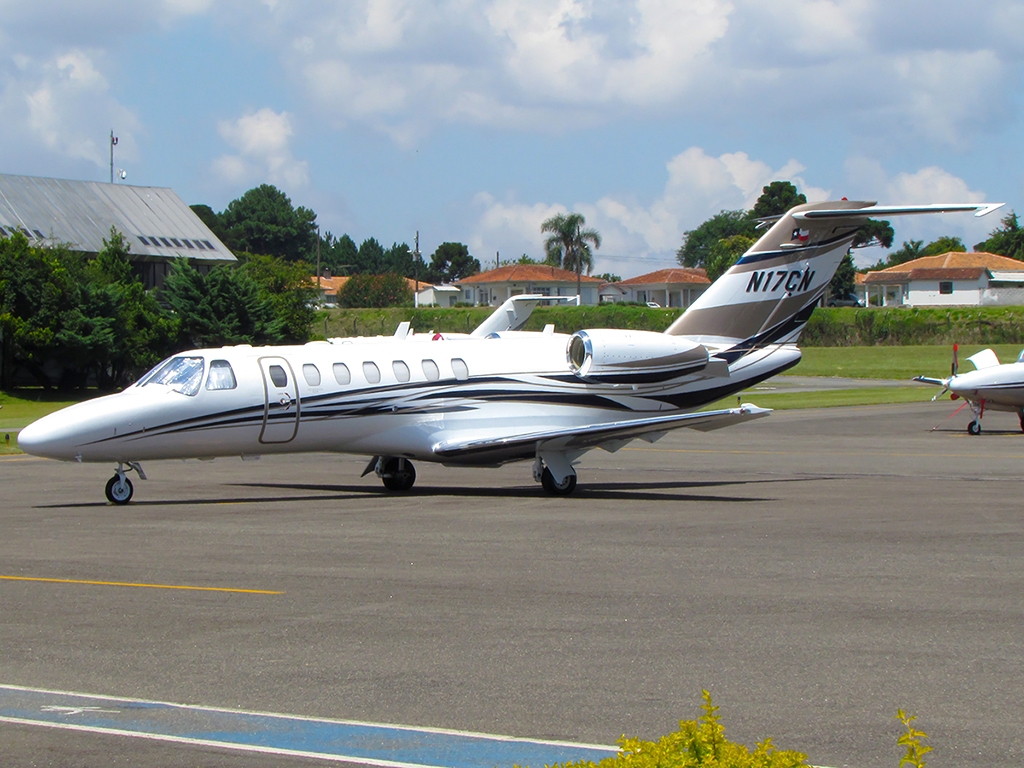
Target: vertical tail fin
{"x":769,"y":294}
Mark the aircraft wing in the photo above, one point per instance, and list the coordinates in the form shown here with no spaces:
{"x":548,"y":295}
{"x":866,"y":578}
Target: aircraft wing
{"x":610,"y":435}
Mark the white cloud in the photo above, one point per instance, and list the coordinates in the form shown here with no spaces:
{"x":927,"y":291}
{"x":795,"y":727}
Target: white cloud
{"x":870,"y":181}
{"x":634,"y":234}
{"x":262,"y":141}
{"x":63,"y":106}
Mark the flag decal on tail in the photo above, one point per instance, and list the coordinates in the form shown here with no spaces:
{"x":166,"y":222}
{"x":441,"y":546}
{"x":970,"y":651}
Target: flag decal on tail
{"x":801,"y":234}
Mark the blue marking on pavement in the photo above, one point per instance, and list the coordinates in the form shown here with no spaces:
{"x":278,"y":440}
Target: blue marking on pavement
{"x":368,"y":743}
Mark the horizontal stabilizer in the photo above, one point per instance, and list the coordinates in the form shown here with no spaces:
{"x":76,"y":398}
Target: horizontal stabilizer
{"x":981,"y":209}
{"x":577,"y":438}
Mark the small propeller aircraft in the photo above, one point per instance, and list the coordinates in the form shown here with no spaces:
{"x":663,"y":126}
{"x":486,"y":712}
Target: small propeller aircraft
{"x":486,"y":398}
{"x":990,"y":386}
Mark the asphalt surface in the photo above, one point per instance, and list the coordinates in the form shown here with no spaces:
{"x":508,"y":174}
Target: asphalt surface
{"x":814,"y":570}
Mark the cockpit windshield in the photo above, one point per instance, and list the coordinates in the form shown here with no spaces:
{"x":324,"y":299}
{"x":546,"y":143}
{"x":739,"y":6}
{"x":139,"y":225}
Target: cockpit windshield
{"x":182,"y":374}
{"x":1020,"y":357}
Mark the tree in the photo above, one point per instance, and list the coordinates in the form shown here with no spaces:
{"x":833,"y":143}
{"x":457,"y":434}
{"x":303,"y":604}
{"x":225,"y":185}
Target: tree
{"x":263,"y":221}
{"x":697,"y":242}
{"x":451,"y":262}
{"x":1006,"y":240}
{"x":725,"y":253}
{"x":874,"y":232}
{"x":569,"y":245}
{"x":388,"y":290}
{"x":341,"y":256}
{"x":777,"y":198}
{"x":608,"y":277}
{"x":844,"y":281}
{"x":945,"y":244}
{"x":287,"y":288}
{"x":370,"y":258}
{"x":226,"y":306}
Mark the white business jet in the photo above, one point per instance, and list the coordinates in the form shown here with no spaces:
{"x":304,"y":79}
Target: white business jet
{"x":990,"y":386}
{"x":486,"y":398}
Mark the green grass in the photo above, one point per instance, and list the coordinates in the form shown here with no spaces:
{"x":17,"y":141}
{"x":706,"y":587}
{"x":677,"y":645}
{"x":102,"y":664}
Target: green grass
{"x":833,"y":398}
{"x":892,"y":362}
{"x":21,"y":407}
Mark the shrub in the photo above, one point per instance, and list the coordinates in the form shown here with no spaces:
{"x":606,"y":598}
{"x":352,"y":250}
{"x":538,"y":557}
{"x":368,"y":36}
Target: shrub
{"x":697,"y":743}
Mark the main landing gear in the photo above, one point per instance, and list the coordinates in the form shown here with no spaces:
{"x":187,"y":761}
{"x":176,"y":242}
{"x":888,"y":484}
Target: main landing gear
{"x":119,"y":488}
{"x":555,"y":473}
{"x":396,"y":473}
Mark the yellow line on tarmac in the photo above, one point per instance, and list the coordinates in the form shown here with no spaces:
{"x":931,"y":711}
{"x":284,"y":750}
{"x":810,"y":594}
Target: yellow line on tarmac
{"x":147,"y":586}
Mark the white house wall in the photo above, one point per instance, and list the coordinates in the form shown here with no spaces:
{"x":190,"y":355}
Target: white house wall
{"x":925,"y":293}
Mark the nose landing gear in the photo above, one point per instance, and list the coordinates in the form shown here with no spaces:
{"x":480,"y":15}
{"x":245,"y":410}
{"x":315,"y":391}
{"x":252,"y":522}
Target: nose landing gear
{"x":119,"y":488}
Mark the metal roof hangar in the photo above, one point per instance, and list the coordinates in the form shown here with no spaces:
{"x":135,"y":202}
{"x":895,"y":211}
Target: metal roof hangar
{"x":154,"y":220}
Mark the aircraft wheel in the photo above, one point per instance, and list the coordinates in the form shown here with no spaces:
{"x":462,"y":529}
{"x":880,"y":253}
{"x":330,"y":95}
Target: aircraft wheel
{"x":119,"y":490}
{"x":398,"y":474}
{"x":974,"y":428}
{"x":567,"y":486}
{"x":1022,"y":422}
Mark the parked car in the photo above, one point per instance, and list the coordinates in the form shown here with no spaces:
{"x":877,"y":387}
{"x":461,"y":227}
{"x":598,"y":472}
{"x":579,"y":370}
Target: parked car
{"x":849,"y":300}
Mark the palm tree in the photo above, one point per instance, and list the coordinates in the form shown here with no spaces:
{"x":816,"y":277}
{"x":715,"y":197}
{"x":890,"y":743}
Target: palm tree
{"x":568,"y":245}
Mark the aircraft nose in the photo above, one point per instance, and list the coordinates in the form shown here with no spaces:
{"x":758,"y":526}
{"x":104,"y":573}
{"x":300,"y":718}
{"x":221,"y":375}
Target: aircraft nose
{"x":41,"y":438}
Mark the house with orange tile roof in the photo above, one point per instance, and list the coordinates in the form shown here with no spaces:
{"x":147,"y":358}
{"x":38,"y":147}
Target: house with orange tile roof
{"x":495,"y":287}
{"x":949,"y":279}
{"x":674,"y":287}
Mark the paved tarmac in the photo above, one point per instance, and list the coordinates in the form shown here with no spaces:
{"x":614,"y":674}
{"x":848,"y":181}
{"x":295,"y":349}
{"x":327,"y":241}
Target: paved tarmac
{"x":814,"y":570}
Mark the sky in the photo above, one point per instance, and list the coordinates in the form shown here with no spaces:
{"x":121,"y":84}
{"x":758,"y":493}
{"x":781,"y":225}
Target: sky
{"x":474,"y":120}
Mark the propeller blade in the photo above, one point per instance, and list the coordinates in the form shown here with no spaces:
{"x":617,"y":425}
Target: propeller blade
{"x":956,"y":365}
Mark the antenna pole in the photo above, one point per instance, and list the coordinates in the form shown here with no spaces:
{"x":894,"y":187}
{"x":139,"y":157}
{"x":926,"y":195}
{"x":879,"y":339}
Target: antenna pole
{"x":113,"y":143}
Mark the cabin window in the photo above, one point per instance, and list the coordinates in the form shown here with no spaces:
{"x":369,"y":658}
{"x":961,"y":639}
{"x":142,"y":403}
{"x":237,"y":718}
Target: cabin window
{"x":460,"y":369}
{"x":946,"y":287}
{"x":401,"y":370}
{"x":221,"y":376}
{"x":312,"y":374}
{"x":371,"y":372}
{"x":341,"y":374}
{"x":182,"y":374}
{"x":433,"y":373}
{"x":278,"y":376}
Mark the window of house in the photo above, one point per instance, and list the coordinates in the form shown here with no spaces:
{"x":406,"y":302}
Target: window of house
{"x":371,"y":372}
{"x":946,"y":287}
{"x":433,"y":373}
{"x":460,"y":369}
{"x":401,"y":370}
{"x":221,"y":376}
{"x":311,"y":374}
{"x":341,"y":374}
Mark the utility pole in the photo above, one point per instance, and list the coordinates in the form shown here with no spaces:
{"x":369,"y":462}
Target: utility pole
{"x":113,"y":143}
{"x":416,"y":269}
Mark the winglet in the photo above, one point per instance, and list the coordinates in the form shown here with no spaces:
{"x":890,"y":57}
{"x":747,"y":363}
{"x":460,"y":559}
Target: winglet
{"x":513,"y":314}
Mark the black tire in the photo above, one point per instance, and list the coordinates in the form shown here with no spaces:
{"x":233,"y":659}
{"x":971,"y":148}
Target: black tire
{"x":974,"y":428}
{"x":398,"y":474}
{"x":119,"y":491}
{"x":547,"y":480}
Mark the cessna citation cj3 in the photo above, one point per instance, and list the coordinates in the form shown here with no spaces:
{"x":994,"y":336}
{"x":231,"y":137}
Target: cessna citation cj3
{"x":493,"y":396}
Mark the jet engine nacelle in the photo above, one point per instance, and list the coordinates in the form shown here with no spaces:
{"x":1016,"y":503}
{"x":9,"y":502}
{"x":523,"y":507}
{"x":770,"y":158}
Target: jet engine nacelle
{"x":632,"y":357}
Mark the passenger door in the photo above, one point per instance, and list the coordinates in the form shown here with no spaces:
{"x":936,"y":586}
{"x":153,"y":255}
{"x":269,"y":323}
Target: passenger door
{"x":281,"y":401}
